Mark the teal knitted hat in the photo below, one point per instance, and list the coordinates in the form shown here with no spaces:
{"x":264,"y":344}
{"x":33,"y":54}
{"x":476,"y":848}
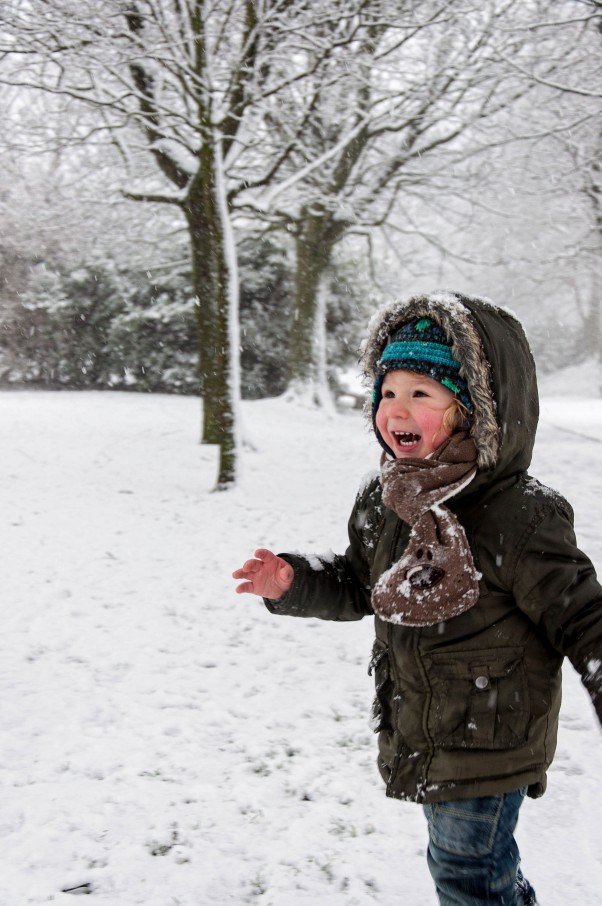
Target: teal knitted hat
{"x":420,"y":346}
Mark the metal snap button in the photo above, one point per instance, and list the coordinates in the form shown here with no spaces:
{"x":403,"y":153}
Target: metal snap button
{"x":481,"y":682}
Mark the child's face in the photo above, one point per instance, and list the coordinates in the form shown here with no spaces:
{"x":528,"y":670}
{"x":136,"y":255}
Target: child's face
{"x":410,"y":414}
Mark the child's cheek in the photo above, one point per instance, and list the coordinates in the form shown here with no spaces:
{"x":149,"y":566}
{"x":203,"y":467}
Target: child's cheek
{"x":380,"y":419}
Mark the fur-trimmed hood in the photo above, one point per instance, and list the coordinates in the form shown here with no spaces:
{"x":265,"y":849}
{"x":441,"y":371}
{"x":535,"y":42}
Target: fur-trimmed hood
{"x":497,"y":364}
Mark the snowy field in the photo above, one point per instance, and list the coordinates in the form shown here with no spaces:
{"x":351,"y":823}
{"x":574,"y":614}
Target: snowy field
{"x":165,"y":741}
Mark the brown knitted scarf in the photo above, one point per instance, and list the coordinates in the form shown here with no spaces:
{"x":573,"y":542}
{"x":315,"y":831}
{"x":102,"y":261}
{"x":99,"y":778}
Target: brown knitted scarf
{"x":435,"y":579}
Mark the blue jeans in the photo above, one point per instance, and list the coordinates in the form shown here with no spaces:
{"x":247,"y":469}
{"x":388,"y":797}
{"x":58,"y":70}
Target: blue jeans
{"x":472,"y":854}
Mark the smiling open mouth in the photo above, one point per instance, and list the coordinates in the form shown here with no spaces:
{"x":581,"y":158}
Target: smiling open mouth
{"x":404,"y":438}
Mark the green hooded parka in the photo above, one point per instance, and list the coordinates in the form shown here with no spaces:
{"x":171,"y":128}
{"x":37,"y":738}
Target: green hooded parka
{"x":469,"y":707}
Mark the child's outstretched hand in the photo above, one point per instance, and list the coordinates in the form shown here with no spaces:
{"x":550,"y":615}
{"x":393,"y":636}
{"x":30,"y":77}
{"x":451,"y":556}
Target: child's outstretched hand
{"x":268,"y":575}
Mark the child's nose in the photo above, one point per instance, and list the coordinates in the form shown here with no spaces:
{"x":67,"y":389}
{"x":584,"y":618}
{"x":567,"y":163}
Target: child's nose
{"x":402,"y":410}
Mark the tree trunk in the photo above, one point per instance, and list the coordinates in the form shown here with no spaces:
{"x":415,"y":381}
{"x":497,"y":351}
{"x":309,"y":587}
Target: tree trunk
{"x":227,"y":339}
{"x":593,"y":189}
{"x":592,"y":324}
{"x":313,"y":246}
{"x":215,"y":286}
{"x":197,"y":210}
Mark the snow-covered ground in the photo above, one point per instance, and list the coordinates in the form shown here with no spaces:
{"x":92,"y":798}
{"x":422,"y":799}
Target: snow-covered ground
{"x":166,"y":741}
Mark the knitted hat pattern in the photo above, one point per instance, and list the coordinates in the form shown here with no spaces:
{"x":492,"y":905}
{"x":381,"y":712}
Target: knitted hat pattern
{"x":421,"y":346}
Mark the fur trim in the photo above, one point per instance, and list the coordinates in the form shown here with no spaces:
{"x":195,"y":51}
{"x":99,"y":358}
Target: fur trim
{"x":446,"y":309}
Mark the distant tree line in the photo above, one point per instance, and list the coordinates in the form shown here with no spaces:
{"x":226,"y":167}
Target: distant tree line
{"x":104,"y":326}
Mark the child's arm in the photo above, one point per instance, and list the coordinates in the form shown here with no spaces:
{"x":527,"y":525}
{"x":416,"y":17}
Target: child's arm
{"x":266,"y":575}
{"x":327,"y":587}
{"x":296,"y":586}
{"x":555,"y":584}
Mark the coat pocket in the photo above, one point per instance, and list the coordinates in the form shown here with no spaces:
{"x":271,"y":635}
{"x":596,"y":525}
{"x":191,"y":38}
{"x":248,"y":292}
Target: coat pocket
{"x":480,"y":699}
{"x":379,"y":667}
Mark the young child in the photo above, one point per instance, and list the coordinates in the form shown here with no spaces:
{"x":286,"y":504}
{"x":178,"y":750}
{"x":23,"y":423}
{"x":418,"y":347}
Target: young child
{"x":471,"y":569}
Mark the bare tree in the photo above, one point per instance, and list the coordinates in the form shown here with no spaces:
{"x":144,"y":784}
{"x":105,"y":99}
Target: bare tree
{"x":562,"y":162}
{"x":184,"y":81}
{"x":421,"y":90}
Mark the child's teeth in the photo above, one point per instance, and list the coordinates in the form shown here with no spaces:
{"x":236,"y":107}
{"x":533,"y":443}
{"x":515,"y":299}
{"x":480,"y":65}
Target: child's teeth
{"x":406,"y":439}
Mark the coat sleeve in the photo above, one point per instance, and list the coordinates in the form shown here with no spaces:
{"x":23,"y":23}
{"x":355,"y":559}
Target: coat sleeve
{"x":334,"y":587}
{"x":555,"y":584}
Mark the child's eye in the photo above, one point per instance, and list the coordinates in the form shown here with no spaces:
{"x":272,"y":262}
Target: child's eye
{"x":420,"y":393}
{"x":388,"y":395}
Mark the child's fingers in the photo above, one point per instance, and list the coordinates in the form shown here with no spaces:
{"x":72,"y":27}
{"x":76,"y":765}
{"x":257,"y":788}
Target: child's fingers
{"x":263,"y":554}
{"x":250,"y":571}
{"x":248,"y":568}
{"x":261,"y":574}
